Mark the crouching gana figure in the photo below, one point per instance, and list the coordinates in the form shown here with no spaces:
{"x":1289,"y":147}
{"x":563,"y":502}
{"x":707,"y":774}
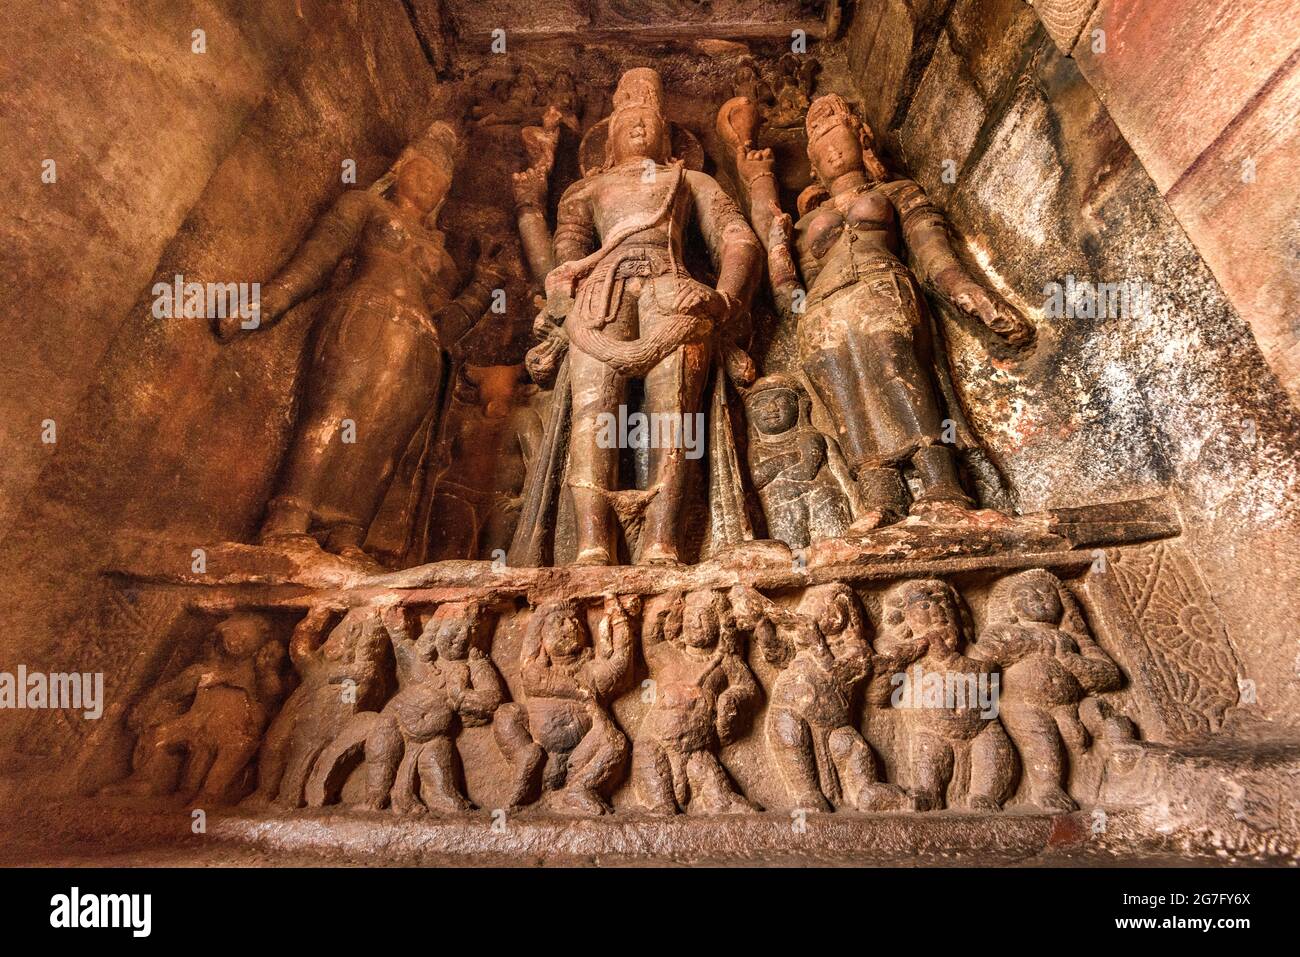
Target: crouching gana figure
{"x":563,"y":729}
{"x":218,"y":709}
{"x":703,"y":692}
{"x":951,"y":737}
{"x":445,"y":683}
{"x":812,"y":736}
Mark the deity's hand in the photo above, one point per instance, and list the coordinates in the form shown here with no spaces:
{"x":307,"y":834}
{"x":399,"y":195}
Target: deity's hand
{"x":701,"y":302}
{"x":747,"y":605}
{"x":741,"y":370}
{"x":490,"y":268}
{"x":530,"y":187}
{"x":560,"y":283}
{"x":542,"y":324}
{"x":781,"y":232}
{"x":394,"y":621}
{"x":973,"y":299}
{"x":543,"y":360}
{"x":272,"y":302}
{"x":752,"y":164}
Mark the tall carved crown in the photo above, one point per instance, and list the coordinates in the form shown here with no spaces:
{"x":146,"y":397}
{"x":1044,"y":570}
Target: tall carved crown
{"x":827,"y":112}
{"x":639,"y":87}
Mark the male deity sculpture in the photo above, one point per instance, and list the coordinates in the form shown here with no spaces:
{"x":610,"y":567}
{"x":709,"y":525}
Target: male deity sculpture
{"x":564,"y":729}
{"x":864,"y":341}
{"x":955,"y":727}
{"x":1050,"y":665}
{"x":788,"y":463}
{"x":702,"y":695}
{"x":375,"y":374}
{"x":632,"y":310}
{"x":823,"y":650}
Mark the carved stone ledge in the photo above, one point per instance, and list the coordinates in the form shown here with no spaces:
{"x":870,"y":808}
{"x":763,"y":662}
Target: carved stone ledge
{"x":1061,"y":539}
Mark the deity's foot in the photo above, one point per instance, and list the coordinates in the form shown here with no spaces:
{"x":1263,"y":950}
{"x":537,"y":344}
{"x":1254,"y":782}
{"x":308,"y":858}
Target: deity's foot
{"x":982,"y":802}
{"x":580,"y":801}
{"x":1054,"y":800}
{"x":662,"y":809}
{"x":871,"y":520}
{"x":593,"y":555}
{"x":658,"y":553}
{"x":883,"y":797}
{"x":813,"y":801}
{"x":926,"y":800}
{"x":725,"y":804}
{"x":952,"y":512}
{"x":358,"y":556}
{"x":297,"y":542}
{"x":447,"y":803}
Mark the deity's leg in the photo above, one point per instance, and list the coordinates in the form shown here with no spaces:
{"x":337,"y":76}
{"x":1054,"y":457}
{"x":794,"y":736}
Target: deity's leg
{"x":711,"y":788}
{"x":593,"y":455}
{"x":510,"y":728}
{"x":593,"y":764}
{"x":439,"y":767}
{"x":674,"y":389}
{"x":859,"y":775}
{"x":911,"y":416}
{"x":375,"y":372}
{"x":385,"y":749}
{"x":992,"y":768}
{"x":1042,"y":754}
{"x":837,"y":371}
{"x":790,"y":743}
{"x":226,"y":771}
{"x":932,"y":766}
{"x":652,"y":777}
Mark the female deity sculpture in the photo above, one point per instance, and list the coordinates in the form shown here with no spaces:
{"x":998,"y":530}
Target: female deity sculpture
{"x":377,"y":360}
{"x":863,"y":342}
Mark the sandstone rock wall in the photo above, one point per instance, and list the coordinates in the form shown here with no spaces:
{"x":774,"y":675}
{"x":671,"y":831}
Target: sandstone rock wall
{"x":214,"y":174}
{"x":977,"y":102}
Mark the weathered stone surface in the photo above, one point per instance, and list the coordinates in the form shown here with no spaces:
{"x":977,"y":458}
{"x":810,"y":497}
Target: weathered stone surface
{"x":1077,"y":511}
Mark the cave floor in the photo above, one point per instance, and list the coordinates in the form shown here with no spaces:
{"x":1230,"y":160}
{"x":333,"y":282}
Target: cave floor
{"x":79,"y":833}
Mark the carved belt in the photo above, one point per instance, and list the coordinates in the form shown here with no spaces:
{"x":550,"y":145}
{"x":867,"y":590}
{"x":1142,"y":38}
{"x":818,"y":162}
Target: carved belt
{"x":882,"y":272}
{"x":379,"y":300}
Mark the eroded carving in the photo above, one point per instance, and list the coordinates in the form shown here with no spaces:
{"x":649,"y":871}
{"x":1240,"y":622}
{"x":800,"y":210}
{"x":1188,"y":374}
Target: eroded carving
{"x":953,"y":732}
{"x":444,"y":681}
{"x":1050,"y":664}
{"x":197,"y":732}
{"x":702,"y":695}
{"x":563,"y":729}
